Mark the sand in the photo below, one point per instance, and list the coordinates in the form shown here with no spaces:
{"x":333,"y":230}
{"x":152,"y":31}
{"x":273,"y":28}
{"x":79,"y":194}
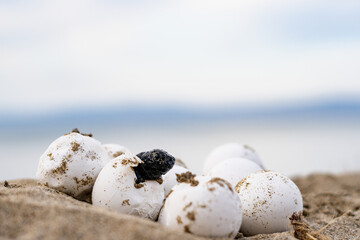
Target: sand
{"x":30,"y":211}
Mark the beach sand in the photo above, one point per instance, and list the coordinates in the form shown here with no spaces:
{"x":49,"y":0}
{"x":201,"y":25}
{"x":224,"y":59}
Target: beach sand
{"x":30,"y":211}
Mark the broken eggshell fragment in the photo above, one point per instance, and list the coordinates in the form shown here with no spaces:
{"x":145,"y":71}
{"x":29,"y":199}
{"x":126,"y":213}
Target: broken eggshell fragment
{"x":71,"y":164}
{"x":180,"y":163}
{"x":116,"y":189}
{"x":203,"y":206}
{"x":269,"y":199}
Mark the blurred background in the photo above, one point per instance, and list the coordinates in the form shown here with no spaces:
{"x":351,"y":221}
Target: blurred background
{"x":185,"y":76}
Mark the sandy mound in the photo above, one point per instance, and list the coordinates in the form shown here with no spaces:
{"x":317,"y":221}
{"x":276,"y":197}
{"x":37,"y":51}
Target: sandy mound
{"x":29,"y":211}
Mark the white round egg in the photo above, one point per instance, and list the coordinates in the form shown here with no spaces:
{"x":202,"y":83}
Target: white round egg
{"x":170,"y":177}
{"x":71,"y":164}
{"x":268,"y":199}
{"x":234,"y":169}
{"x":203,"y":206}
{"x":230,"y":150}
{"x":115,"y":150}
{"x":116,"y":189}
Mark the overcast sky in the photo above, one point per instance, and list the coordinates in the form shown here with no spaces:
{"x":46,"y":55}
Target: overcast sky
{"x":71,"y":53}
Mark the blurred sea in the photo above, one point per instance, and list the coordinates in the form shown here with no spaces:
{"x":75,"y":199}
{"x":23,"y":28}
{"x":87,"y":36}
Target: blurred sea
{"x":295,"y":143}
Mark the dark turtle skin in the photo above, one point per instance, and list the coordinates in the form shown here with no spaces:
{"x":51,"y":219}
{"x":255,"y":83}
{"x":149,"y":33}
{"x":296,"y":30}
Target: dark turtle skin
{"x":156,"y":163}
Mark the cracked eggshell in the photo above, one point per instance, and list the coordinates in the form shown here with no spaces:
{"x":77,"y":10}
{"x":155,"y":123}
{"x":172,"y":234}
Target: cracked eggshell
{"x":230,"y":150}
{"x":170,"y":177}
{"x":180,"y":163}
{"x":234,"y":169}
{"x":71,"y":164}
{"x":115,"y":189}
{"x":115,"y":150}
{"x":210,"y":209}
{"x":269,"y":199}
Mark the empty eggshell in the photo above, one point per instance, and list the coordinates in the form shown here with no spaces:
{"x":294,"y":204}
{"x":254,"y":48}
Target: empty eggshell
{"x":115,"y":150}
{"x":234,"y":169}
{"x":116,"y":189}
{"x":269,"y":199}
{"x":71,"y":164}
{"x":230,"y":150}
{"x":203,"y":206}
{"x":170,"y":177}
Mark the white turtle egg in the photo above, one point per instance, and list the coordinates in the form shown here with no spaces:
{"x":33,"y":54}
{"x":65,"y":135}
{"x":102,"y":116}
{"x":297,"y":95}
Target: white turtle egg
{"x":170,"y":177}
{"x":230,"y":150}
{"x":203,"y":206}
{"x":71,"y":164}
{"x":268,"y":199}
{"x":234,"y":169}
{"x":115,"y":150}
{"x":116,"y":189}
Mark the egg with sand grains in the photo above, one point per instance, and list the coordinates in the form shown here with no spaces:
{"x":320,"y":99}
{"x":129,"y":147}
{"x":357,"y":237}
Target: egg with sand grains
{"x":71,"y":164}
{"x":170,"y":177}
{"x":230,"y":150}
{"x":115,"y":150}
{"x":234,"y":169}
{"x":131,"y":185}
{"x":269,"y":199}
{"x":204,"y":206}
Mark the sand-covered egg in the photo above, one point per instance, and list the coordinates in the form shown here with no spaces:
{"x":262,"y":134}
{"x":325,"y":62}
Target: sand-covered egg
{"x":230,"y":150}
{"x":115,"y":150}
{"x":71,"y":164}
{"x":131,"y":185}
{"x":234,"y":169}
{"x":170,"y":177}
{"x":269,"y":199}
{"x":203,"y":206}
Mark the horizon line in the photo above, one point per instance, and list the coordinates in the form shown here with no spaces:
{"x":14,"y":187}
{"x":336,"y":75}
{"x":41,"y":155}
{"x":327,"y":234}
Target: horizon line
{"x":172,"y":114}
